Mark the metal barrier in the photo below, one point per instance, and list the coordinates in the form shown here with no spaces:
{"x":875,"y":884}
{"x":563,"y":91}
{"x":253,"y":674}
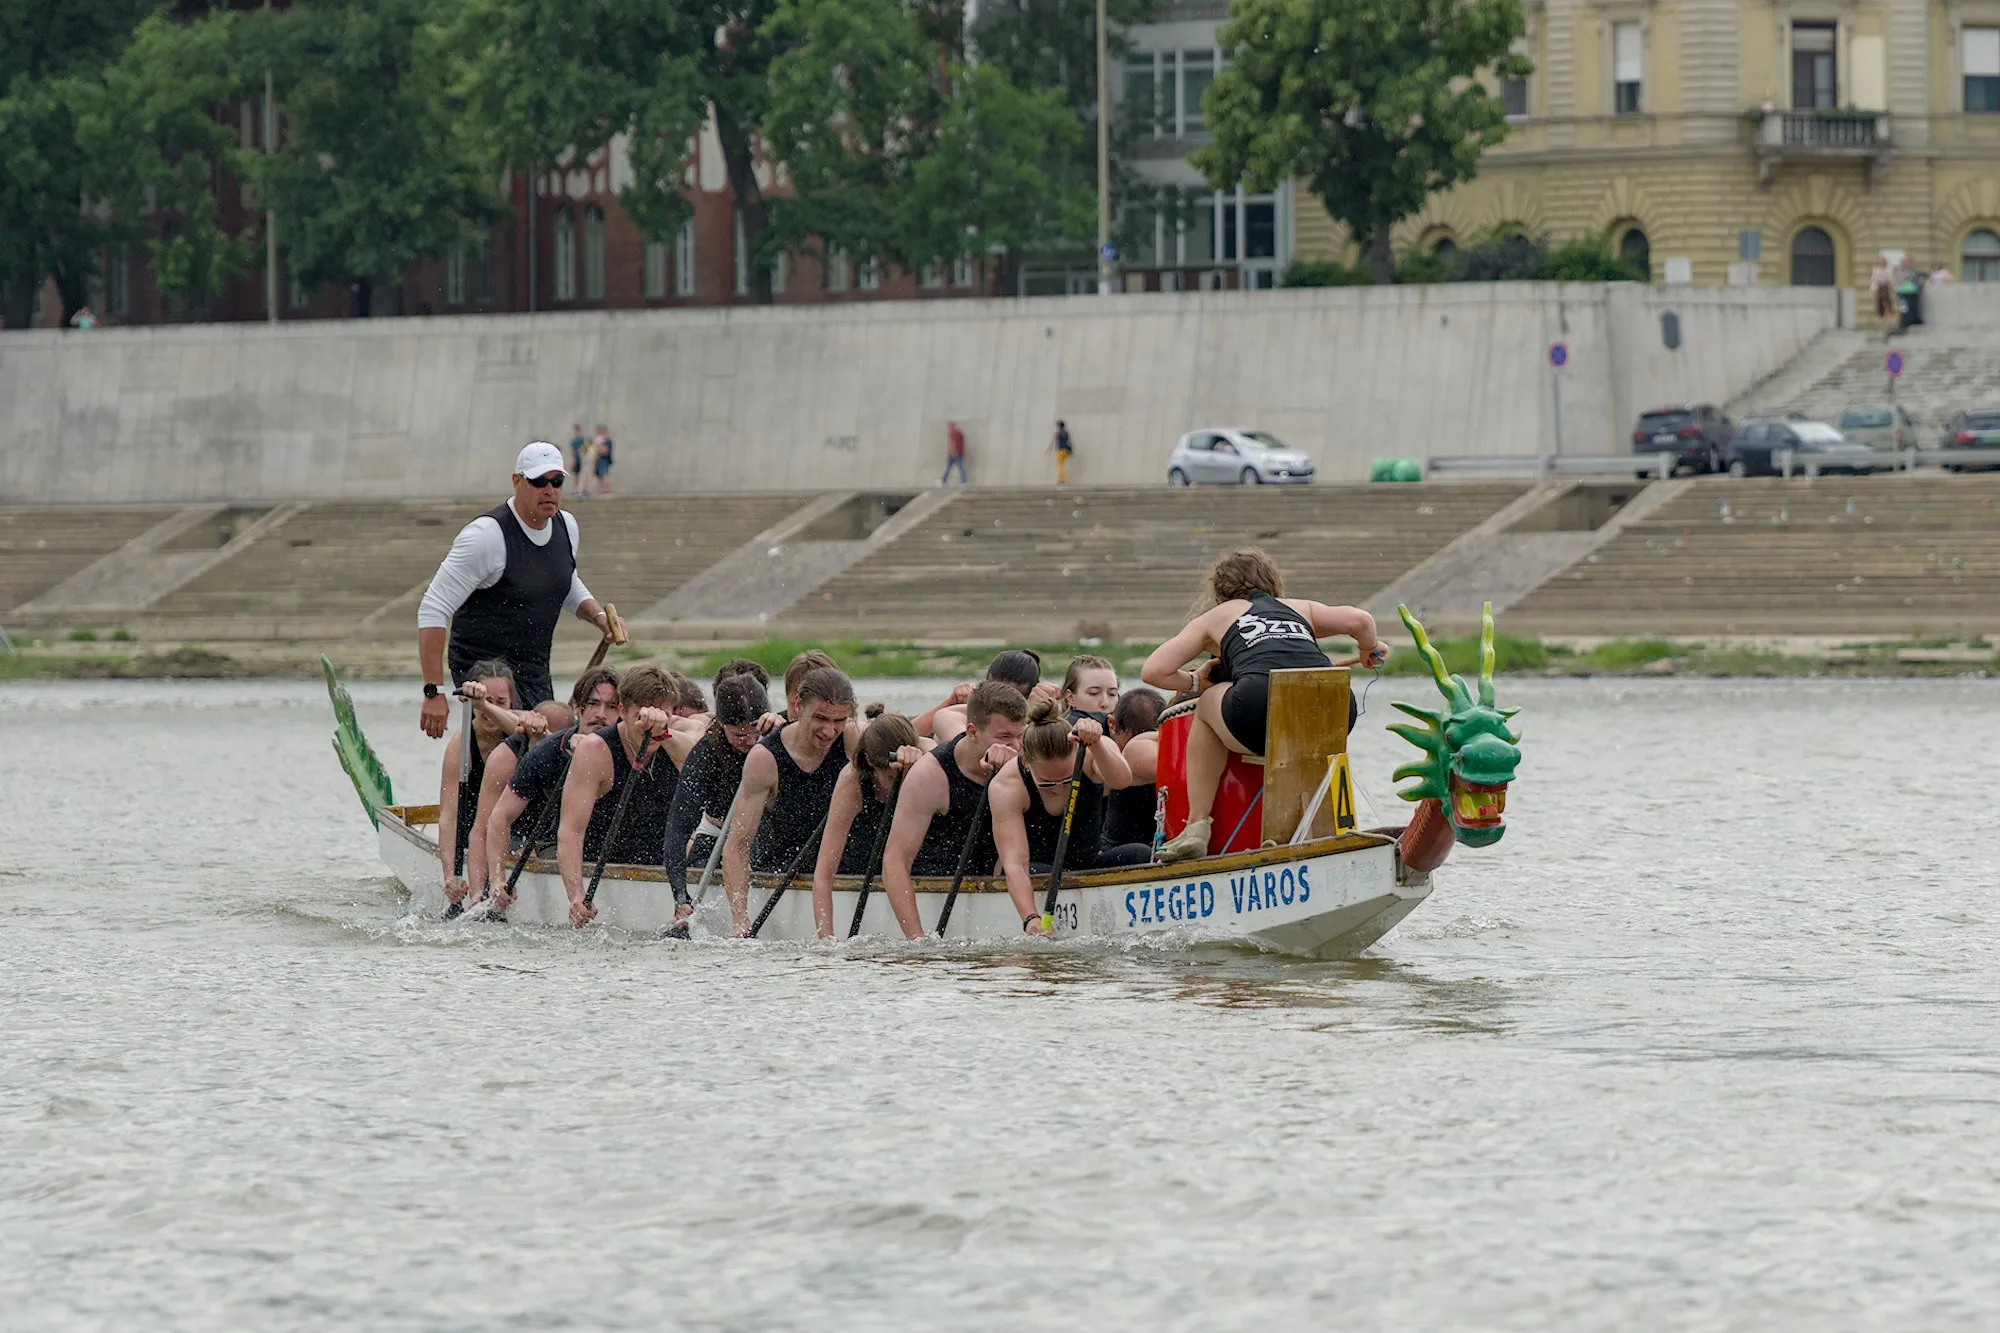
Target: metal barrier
{"x":1903,"y":460}
{"x":1545,"y":466}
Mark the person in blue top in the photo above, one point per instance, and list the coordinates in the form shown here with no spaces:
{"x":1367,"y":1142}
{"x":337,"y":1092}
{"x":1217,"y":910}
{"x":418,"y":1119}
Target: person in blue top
{"x":602,"y":465}
{"x":1253,"y":629}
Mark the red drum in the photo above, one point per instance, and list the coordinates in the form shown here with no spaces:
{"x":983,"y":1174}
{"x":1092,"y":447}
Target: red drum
{"x":1242,"y":785}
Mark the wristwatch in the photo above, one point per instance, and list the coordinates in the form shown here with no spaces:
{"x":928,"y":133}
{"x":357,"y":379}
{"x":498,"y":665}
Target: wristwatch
{"x":432,"y":691}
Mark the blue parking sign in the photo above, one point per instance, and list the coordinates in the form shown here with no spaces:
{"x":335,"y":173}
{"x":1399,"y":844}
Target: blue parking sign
{"x":1558,"y":355}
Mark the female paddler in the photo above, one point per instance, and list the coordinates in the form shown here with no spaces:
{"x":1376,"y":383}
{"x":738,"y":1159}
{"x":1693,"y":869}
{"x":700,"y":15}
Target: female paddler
{"x":490,"y":685}
{"x":861,"y":801}
{"x":1253,"y":629}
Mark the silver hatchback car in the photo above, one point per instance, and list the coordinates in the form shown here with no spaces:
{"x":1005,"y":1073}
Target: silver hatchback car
{"x":1233,"y":455}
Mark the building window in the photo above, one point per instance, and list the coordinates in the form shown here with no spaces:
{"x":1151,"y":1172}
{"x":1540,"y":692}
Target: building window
{"x":1814,"y":87}
{"x":454,"y":277}
{"x":118,"y":286}
{"x":1637,"y":251}
{"x":1979,"y":257}
{"x":1514,"y":92}
{"x":1628,"y":67}
{"x":299,"y":295}
{"x":1445,"y":250}
{"x":565,"y":255}
{"x":593,"y":254}
{"x":1142,"y":96}
{"x":1980,"y":50}
{"x":1812,"y":258}
{"x":931,"y":276}
{"x":781,"y":268}
{"x":684,"y":260}
{"x":1197,"y":72}
{"x":739,"y":249}
{"x":656,"y":270}
{"x":483,"y":272}
{"x":839,"y":274}
{"x":961,"y":271}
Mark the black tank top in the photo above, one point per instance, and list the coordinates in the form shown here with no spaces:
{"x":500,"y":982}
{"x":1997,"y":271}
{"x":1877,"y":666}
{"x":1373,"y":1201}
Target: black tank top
{"x":867,"y":827}
{"x":515,"y":619}
{"x":468,"y":805}
{"x":796,"y":809}
{"x":1129,"y":814}
{"x":1044,"y":828}
{"x":950,"y":827}
{"x":1268,"y":636}
{"x":642,"y":833}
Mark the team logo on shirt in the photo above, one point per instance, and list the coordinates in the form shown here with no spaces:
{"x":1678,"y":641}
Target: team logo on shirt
{"x":1256,"y":629}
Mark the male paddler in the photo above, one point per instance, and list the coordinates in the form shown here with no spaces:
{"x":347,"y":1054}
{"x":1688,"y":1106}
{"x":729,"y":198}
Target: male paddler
{"x":506,"y":582}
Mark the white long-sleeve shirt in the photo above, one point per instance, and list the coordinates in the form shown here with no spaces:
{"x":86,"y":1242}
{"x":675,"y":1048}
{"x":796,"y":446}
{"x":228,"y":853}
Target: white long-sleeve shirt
{"x":477,"y":559}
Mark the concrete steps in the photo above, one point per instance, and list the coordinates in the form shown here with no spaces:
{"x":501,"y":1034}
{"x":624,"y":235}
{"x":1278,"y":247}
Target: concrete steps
{"x":1128,"y":563}
{"x":42,"y":546}
{"x":1942,"y":373}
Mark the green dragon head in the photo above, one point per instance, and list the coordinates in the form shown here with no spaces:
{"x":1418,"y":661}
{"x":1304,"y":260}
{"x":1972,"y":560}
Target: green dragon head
{"x":1469,"y":753}
{"x":357,"y":757}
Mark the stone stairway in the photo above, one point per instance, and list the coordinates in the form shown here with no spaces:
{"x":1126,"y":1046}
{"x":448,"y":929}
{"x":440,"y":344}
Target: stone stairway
{"x":1047,"y":566}
{"x":41,"y":547}
{"x":1943,"y":371}
{"x":1893,"y":554}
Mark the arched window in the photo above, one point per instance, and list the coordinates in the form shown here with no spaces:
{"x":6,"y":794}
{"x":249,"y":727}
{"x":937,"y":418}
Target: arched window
{"x":1636,"y":250}
{"x":1812,"y":258}
{"x":1979,"y":258}
{"x":1446,"y":249}
{"x":565,"y":255}
{"x":593,"y":254}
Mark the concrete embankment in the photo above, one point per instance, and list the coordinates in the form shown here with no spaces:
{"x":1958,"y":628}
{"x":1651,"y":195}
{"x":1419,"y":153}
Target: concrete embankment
{"x":858,"y":397}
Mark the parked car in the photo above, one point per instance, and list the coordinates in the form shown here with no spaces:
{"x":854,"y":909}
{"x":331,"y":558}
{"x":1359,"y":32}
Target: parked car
{"x":1883,"y":427}
{"x":1696,"y":435}
{"x":1232,"y":454}
{"x":1753,"y":452}
{"x":1972,"y":428}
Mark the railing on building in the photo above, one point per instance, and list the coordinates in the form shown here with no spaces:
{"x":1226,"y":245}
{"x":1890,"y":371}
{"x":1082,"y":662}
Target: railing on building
{"x":1862,"y":135}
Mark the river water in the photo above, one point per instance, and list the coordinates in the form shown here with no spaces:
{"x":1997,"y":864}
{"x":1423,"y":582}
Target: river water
{"x":1707,"y":1041}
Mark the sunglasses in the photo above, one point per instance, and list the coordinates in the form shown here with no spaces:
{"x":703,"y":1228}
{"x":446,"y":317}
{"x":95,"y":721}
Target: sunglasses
{"x":554,"y":479}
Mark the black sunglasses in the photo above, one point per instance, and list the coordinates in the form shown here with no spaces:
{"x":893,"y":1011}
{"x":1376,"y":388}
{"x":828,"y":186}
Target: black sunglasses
{"x":554,"y":479}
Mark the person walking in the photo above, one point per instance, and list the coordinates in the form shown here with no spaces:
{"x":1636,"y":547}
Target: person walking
{"x":508,"y":578}
{"x":602,"y":462}
{"x":1063,"y":449}
{"x":1882,"y":286}
{"x":954,"y":454}
{"x":579,"y":447}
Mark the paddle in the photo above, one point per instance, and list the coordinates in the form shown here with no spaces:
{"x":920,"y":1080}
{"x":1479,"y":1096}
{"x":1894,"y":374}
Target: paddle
{"x":604,"y":644}
{"x":551,"y":807}
{"x":875,"y":856}
{"x":459,"y":821}
{"x":715,"y":852}
{"x":1062,"y":842}
{"x":617,"y":818}
{"x":964,"y":859}
{"x":812,"y":845}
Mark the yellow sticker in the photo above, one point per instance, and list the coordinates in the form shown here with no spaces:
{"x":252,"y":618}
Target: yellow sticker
{"x":1343,"y":795}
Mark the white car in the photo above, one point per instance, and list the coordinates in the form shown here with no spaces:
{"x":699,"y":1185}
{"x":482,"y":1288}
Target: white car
{"x":1232,"y":455}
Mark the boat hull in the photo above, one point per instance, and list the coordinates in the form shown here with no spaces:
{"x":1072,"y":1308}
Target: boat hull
{"x":1326,"y":899}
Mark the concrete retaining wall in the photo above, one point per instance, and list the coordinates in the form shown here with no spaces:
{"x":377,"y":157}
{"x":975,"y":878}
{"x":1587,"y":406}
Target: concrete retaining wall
{"x":858,"y":395}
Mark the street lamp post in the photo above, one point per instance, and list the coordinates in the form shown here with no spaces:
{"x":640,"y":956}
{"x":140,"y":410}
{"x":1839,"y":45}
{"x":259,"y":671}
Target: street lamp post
{"x":270,"y":214}
{"x":1104,"y":261}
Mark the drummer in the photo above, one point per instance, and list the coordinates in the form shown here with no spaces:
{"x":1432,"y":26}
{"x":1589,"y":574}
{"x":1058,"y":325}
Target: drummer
{"x":1253,"y":629}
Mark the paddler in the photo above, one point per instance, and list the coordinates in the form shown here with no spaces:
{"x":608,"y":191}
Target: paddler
{"x":1253,"y":629}
{"x":712,"y":773}
{"x":490,"y":686}
{"x":535,"y":778}
{"x":889,"y":746}
{"x":604,"y":762}
{"x":1019,"y":667}
{"x":510,"y":575}
{"x":1029,"y":799}
{"x":1130,"y":814}
{"x":940,"y":814}
{"x":788,"y":782}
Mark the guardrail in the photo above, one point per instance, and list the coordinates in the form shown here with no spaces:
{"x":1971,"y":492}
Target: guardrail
{"x":1903,"y":460}
{"x":1557,"y":465}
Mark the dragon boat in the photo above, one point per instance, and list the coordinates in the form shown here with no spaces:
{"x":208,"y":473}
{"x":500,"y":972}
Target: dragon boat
{"x":1292,"y":874}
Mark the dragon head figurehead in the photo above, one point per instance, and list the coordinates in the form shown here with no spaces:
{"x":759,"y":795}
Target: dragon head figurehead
{"x":1469,"y":752}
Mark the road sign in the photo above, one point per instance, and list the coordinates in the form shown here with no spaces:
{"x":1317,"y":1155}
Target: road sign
{"x":1558,"y":355}
{"x":1108,"y":252}
{"x":1894,"y":362}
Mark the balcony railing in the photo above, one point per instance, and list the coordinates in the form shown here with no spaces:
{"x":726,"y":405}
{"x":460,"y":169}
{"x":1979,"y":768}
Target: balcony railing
{"x":1858,"y":135}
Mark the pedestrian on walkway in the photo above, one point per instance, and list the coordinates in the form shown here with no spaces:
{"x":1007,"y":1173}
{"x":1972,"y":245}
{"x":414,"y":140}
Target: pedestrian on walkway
{"x":1062,"y":449}
{"x":602,"y":462}
{"x":954,"y":454}
{"x":578,"y":446}
{"x":1882,"y":286}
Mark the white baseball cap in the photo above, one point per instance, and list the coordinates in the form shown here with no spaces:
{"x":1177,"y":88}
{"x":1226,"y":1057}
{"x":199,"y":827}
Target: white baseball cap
{"x":538,"y":460}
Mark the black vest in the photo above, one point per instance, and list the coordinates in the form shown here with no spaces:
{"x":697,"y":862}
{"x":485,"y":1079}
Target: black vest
{"x":944,"y":841}
{"x":1045,"y":829}
{"x":797,"y":809}
{"x":642,"y":832}
{"x":515,"y":619}
{"x":866,"y":828}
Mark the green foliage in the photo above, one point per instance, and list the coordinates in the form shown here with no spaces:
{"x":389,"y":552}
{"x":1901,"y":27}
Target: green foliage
{"x":1323,"y":273}
{"x":1500,"y":257}
{"x":378,"y":166}
{"x":1586,"y":259}
{"x":82,"y":636}
{"x":1374,"y":103}
{"x":1624,"y":654}
{"x":1416,"y":267}
{"x":1511,"y":653}
{"x":121,"y":636}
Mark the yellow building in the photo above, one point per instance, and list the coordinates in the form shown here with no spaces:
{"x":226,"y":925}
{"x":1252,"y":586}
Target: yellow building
{"x":1773,"y":141}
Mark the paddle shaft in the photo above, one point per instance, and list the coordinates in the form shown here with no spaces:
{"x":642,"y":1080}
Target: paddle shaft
{"x":812,"y":845}
{"x":964,"y":858}
{"x":618,"y":817}
{"x":715,"y":852}
{"x":551,"y":807}
{"x":875,"y":856}
{"x":459,"y":820}
{"x":1062,"y":842}
{"x":604,"y":644}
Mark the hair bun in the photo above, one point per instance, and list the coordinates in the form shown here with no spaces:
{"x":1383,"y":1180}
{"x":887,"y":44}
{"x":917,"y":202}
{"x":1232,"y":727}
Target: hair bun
{"x":1043,"y":711}
{"x":875,"y":710}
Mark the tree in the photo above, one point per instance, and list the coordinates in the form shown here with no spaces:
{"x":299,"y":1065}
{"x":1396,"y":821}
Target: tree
{"x":1375,"y":103}
{"x":375,"y":169}
{"x":107,"y":135}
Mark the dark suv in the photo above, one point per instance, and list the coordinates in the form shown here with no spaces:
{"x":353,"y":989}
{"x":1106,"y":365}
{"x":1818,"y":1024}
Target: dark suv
{"x":1696,"y":435}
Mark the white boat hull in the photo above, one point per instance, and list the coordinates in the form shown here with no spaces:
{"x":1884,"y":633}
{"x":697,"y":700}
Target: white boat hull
{"x":1326,"y":899}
